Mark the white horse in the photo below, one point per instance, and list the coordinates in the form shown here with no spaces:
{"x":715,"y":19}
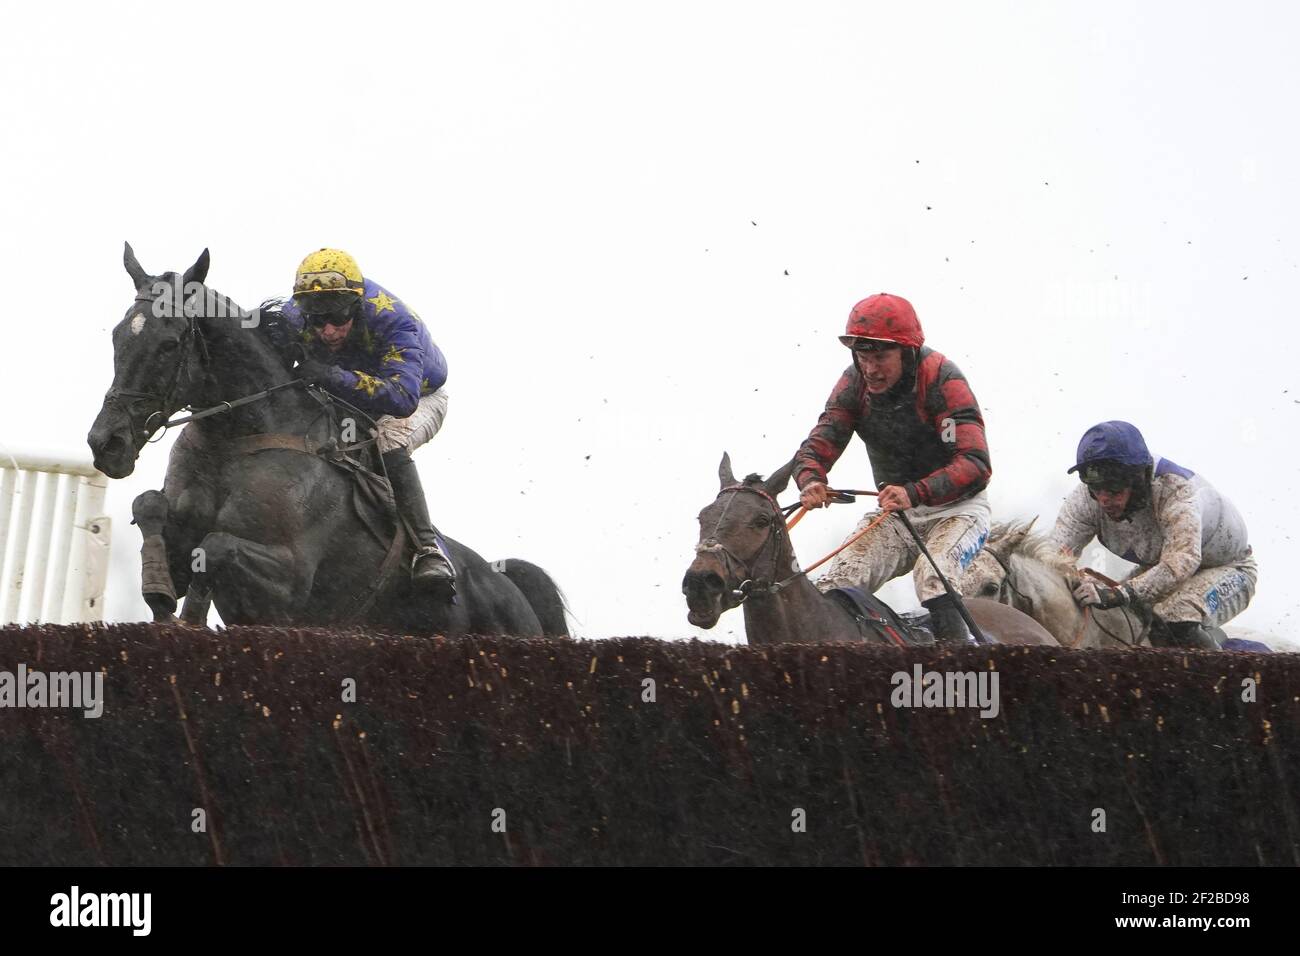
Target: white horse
{"x":1024,"y":569}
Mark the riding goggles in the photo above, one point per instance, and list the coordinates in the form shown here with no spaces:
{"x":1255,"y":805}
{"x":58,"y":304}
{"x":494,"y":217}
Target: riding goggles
{"x":332,"y":307}
{"x":1106,"y":476}
{"x":869,"y":345}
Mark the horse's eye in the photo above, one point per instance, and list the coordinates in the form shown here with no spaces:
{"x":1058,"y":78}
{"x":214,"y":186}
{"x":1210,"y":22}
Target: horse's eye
{"x":168,"y":346}
{"x":762,"y":521}
{"x":989,"y":590}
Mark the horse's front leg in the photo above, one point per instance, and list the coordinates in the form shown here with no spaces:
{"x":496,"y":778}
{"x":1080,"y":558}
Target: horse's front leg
{"x":193,"y":516}
{"x":251,"y":582}
{"x":150,"y":512}
{"x":170,"y":535}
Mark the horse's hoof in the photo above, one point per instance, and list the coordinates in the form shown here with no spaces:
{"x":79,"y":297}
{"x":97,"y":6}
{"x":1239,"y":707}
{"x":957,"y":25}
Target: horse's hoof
{"x":162,"y":605}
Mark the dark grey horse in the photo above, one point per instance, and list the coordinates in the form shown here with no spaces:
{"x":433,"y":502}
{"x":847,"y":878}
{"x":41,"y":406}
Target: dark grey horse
{"x":743,"y":538}
{"x":253,"y":515}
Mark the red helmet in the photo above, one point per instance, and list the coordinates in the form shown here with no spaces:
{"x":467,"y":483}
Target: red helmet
{"x":884,"y":317}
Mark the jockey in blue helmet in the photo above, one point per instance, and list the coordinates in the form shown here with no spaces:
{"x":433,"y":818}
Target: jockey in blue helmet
{"x":1195,"y":567}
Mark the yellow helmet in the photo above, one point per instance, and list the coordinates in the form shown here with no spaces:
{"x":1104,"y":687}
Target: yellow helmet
{"x":328,"y":270}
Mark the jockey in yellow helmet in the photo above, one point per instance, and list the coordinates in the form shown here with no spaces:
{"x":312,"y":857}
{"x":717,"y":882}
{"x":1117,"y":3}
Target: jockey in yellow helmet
{"x":365,"y":345}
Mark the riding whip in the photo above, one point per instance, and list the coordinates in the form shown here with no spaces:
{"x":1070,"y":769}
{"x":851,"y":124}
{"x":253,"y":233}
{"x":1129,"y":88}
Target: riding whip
{"x":961,"y":605}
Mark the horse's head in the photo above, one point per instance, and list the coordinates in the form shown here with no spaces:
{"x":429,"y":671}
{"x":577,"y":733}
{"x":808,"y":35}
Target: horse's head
{"x":742,"y":539}
{"x":989,"y":574}
{"x":1028,"y":572}
{"x":157,"y":363}
{"x":1025,"y":570}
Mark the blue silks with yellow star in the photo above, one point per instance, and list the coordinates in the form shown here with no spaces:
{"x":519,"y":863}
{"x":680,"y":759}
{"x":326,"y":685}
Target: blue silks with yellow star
{"x":388,"y":361}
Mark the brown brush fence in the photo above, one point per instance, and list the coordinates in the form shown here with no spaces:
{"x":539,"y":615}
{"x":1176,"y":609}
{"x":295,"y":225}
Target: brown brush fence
{"x":556,"y":741}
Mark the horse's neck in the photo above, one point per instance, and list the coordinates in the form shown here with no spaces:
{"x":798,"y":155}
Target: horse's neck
{"x":797,"y":612}
{"x":1054,"y":605}
{"x":242,"y":362}
{"x":1056,"y":609}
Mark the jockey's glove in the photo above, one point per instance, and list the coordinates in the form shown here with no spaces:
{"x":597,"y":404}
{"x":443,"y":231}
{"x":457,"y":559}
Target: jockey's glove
{"x":313,"y":372}
{"x":1094,"y":594}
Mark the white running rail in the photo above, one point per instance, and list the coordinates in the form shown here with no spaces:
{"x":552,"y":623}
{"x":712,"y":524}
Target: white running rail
{"x":54,"y":540}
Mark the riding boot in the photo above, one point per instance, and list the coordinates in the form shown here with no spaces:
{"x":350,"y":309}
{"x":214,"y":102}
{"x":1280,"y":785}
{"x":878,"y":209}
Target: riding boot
{"x":946,"y":621}
{"x":432,"y":566}
{"x":1190,"y":634}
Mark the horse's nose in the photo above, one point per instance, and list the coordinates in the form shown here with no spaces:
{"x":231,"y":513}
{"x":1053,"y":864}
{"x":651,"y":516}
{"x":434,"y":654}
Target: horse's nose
{"x":702,"y":582}
{"x":99,"y":438}
{"x":110,"y":448}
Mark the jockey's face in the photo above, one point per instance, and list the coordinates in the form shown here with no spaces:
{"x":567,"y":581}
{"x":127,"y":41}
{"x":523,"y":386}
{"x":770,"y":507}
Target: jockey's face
{"x":335,"y":335}
{"x":882,"y":369}
{"x":1113,"y":502}
{"x":331,"y":314}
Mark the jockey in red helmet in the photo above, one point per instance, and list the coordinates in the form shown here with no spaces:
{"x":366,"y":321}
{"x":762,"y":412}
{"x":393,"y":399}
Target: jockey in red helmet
{"x":924,"y":436}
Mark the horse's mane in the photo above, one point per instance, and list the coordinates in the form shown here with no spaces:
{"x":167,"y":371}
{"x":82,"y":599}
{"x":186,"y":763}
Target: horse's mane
{"x":1035,"y":545}
{"x":278,"y":332}
{"x":272,"y":327}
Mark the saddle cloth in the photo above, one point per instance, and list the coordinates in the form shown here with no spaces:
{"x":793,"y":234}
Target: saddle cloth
{"x":879,"y":622}
{"x":1242,"y":644}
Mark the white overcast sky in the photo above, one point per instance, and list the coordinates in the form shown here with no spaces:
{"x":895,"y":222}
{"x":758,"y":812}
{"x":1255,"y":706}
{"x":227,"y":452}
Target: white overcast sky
{"x":1093,"y":207}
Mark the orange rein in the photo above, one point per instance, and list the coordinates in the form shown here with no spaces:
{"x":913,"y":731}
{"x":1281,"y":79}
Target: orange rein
{"x":803,"y":511}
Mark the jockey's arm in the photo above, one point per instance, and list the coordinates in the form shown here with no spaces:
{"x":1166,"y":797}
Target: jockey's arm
{"x":830,"y":436}
{"x":396,"y":390}
{"x":1179,"y":517}
{"x":1076,"y":523}
{"x":960,"y":427}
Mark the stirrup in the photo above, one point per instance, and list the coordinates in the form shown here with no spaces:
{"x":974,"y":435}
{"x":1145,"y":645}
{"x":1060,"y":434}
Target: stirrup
{"x":446,"y":570}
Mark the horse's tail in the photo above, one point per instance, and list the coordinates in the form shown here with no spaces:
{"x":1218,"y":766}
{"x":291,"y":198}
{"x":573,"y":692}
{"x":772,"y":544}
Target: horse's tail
{"x":543,"y":594}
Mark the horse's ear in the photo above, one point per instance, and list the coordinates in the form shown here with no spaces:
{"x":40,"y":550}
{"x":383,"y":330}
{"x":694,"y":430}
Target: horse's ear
{"x":1011,"y":542}
{"x":724,"y":471}
{"x":1000,"y":551}
{"x":779,"y":479}
{"x":197,"y":272}
{"x":139,"y":277}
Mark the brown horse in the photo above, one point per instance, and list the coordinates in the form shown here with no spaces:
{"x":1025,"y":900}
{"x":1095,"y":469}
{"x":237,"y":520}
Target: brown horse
{"x":745,"y":556}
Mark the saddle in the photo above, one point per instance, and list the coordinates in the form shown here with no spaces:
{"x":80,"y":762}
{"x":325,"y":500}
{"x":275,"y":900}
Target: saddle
{"x":878,"y":622}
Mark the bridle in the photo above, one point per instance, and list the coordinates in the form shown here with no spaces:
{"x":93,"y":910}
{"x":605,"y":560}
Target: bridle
{"x":1009,"y":584}
{"x":750,"y":584}
{"x":126,"y":397}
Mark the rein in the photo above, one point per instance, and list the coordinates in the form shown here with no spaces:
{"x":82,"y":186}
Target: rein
{"x":220,"y":407}
{"x":1088,"y":616}
{"x":249,"y":444}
